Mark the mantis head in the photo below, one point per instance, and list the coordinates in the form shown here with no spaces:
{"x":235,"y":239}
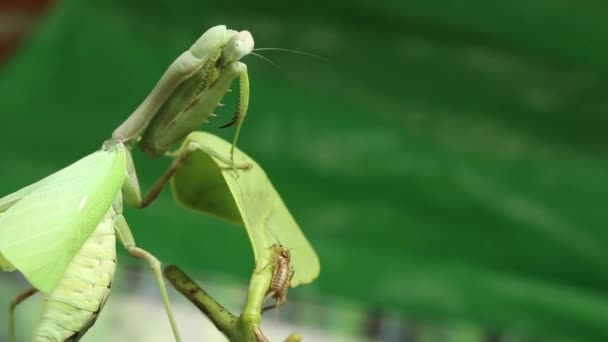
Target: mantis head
{"x":239,"y":45}
{"x":233,"y":44}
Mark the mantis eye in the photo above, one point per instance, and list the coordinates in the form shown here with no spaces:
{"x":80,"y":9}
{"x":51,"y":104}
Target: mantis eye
{"x":239,"y":46}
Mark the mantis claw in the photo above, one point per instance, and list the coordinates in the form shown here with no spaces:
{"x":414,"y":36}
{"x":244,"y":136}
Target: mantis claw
{"x":236,"y":167}
{"x":244,"y":166}
{"x":234,"y":120}
{"x":171,"y":154}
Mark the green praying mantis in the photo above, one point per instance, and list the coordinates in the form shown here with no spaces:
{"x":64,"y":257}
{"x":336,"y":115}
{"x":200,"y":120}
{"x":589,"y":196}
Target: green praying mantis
{"x":60,"y":231}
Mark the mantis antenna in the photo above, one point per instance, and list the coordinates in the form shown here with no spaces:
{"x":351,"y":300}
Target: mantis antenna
{"x":298,"y":52}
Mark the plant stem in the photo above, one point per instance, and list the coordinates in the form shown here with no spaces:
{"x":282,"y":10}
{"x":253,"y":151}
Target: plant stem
{"x":242,"y":328}
{"x":220,"y":316}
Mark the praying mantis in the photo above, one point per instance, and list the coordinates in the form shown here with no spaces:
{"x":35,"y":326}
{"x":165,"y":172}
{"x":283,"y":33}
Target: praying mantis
{"x":59,"y":232}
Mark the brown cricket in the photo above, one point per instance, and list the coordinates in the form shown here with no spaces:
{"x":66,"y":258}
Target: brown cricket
{"x":281,"y":277}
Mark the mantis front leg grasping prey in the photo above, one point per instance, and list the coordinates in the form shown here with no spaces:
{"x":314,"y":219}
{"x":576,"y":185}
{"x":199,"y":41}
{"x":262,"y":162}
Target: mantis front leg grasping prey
{"x":185,"y":97}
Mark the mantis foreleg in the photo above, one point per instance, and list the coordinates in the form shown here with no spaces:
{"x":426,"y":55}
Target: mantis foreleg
{"x":189,"y":91}
{"x":133,"y":193}
{"x":181,"y":69}
{"x":242,"y":107}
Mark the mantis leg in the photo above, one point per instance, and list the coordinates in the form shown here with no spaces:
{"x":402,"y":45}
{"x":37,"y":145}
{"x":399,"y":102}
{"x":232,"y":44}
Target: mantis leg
{"x":126,"y":237}
{"x":11,"y":311}
{"x":132,"y":192}
{"x":181,"y":69}
{"x":242,"y":107}
{"x":242,"y":111}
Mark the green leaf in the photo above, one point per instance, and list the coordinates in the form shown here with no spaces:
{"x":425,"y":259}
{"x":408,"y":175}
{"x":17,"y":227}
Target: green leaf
{"x":206,"y":184}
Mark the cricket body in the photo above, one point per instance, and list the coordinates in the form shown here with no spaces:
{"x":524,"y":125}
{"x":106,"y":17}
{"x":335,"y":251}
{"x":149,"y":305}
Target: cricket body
{"x":282,"y":274}
{"x":188,"y":92}
{"x":72,"y":307}
{"x":60,"y":234}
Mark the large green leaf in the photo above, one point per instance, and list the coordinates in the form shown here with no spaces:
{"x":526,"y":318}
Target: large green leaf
{"x":448,"y":162}
{"x":206,"y":184}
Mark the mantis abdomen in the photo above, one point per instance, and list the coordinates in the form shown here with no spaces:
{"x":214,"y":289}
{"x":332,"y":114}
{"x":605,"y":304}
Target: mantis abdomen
{"x":72,"y":307}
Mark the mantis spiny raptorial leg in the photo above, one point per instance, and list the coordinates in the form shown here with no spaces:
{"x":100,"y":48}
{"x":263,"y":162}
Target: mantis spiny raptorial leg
{"x":185,"y":97}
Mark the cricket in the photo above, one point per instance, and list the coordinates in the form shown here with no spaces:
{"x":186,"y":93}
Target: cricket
{"x":281,"y":277}
{"x":60,"y":232}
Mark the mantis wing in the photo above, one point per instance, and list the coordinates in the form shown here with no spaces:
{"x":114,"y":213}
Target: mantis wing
{"x":5,"y":203}
{"x":5,"y":265}
{"x":41,"y":232}
{"x":205,"y":184}
{"x":9,"y":200}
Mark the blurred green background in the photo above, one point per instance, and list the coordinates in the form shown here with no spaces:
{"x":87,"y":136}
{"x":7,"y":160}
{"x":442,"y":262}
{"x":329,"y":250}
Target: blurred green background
{"x":448,"y":161}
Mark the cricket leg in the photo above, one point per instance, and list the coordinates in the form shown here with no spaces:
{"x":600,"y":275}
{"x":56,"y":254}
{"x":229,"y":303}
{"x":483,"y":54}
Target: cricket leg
{"x":272,"y":261}
{"x":273,"y":306}
{"x":259,"y":336}
{"x":126,"y":237}
{"x":11,"y":311}
{"x":279,"y":301}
